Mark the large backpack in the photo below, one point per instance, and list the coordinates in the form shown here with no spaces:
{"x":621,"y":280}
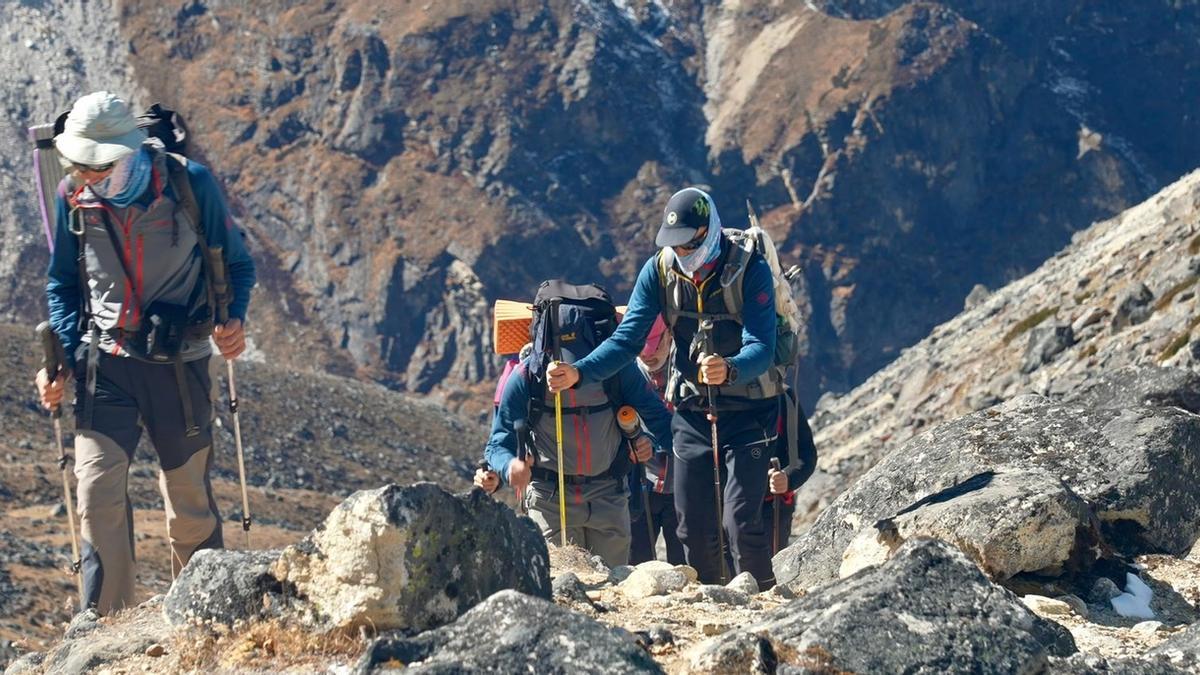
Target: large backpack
{"x":569,"y":322}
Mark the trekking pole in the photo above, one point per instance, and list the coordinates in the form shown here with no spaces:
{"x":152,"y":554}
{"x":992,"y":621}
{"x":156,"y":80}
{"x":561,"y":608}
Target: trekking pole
{"x":631,"y":428}
{"x":775,"y":507}
{"x":217,"y":268}
{"x":706,"y":329}
{"x":558,"y":430}
{"x":54,"y":362}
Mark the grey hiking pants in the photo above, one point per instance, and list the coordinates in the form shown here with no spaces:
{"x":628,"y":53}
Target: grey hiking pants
{"x":130,"y":395}
{"x":597,"y":516}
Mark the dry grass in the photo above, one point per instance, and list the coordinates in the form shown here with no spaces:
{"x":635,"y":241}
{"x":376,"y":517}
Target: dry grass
{"x":268,"y":645}
{"x":1165,"y":300}
{"x":1029,"y":322}
{"x":1180,"y":340}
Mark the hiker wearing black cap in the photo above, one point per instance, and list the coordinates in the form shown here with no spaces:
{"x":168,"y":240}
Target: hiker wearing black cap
{"x":717,"y":297}
{"x":142,"y":238}
{"x":531,"y":430}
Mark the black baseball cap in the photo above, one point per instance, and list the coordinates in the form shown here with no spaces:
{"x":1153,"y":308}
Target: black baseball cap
{"x":687,"y":211}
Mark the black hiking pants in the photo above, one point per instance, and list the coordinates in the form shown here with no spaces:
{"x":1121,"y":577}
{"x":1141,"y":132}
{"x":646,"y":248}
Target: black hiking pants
{"x":746,"y":443}
{"x":663,"y":520}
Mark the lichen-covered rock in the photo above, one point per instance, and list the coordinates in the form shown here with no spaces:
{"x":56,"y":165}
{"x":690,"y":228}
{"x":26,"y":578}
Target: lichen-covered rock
{"x":1182,"y":649}
{"x":512,"y":633}
{"x":1137,"y":468}
{"x":221,"y":587}
{"x":413,"y":558}
{"x":1008,"y":523}
{"x":928,"y":609}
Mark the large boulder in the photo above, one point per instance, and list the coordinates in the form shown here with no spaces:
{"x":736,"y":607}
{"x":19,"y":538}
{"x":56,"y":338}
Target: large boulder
{"x":222,"y":587}
{"x":1008,"y":523}
{"x":1137,"y":467}
{"x":512,"y":633}
{"x":413,"y":558}
{"x":928,"y":609}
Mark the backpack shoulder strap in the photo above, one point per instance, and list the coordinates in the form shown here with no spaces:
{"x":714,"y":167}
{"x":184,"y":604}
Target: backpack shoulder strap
{"x":733,"y":272}
{"x":177,"y":171}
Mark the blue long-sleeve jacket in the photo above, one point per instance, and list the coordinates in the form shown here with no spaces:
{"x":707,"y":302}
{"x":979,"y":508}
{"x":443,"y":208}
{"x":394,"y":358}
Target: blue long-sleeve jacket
{"x":63,"y":287}
{"x":635,"y":391}
{"x":758,"y":327}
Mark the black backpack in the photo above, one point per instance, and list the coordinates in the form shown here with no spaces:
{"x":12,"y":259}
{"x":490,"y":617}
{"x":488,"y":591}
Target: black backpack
{"x":569,"y":322}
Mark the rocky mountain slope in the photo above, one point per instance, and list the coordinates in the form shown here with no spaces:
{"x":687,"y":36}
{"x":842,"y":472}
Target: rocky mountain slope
{"x":1122,"y":294}
{"x":394,"y":167}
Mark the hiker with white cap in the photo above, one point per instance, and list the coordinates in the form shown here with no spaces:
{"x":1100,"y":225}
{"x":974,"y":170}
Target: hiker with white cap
{"x":144,"y":245}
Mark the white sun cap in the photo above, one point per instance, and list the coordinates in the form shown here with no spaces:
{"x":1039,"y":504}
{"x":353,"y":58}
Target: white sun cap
{"x":99,"y":130}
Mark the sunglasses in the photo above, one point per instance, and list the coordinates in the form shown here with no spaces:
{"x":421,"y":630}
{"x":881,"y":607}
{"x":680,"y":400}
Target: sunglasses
{"x":695,"y":242}
{"x":88,"y":168}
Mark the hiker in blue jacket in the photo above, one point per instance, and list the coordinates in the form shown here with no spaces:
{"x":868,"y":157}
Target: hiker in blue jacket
{"x":132,"y":299}
{"x":595,"y":457}
{"x":718,"y":299}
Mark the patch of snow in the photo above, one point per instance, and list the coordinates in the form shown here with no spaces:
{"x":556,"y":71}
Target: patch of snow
{"x":1135,"y":601}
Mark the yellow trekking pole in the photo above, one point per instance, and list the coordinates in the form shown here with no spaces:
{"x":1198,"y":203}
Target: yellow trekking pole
{"x":558,"y":430}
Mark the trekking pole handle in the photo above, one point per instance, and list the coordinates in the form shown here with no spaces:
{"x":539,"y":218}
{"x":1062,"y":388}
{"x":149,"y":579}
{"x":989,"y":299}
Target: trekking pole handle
{"x":775,"y":464}
{"x":54,"y":358}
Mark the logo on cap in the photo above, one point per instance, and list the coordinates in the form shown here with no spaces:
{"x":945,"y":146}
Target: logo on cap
{"x":700,"y":206}
{"x":672,"y":218}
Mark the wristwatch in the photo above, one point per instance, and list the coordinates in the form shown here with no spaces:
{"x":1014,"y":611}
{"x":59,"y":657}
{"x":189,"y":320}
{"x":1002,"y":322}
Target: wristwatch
{"x":732,"y":372}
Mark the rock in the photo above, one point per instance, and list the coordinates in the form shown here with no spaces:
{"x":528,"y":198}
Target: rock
{"x":744,"y":582}
{"x":712,"y":628}
{"x":1146,"y":629}
{"x":1076,"y":604}
{"x":1181,"y":649}
{"x":1134,"y":386}
{"x":1008,"y":523}
{"x":27,"y":664}
{"x":1103,"y":590}
{"x":566,"y":587}
{"x":1135,"y":306}
{"x":978,"y":295}
{"x":1046,"y":342}
{"x":82,"y":624}
{"x":59,"y":510}
{"x":647,"y":582}
{"x":221,"y":587}
{"x":1086,"y":663}
{"x":620,"y":573}
{"x":155,"y":650}
{"x":1043,"y":606}
{"x":1090,"y":317}
{"x":928,"y":609}
{"x":1136,"y":467}
{"x":413,"y":558}
{"x":722,"y":595}
{"x":86,"y":651}
{"x":511,"y":632}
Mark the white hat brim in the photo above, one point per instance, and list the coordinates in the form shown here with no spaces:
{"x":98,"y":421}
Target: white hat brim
{"x":81,"y":150}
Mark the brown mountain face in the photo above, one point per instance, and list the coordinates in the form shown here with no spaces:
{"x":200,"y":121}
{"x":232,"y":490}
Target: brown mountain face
{"x":400,"y":167}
